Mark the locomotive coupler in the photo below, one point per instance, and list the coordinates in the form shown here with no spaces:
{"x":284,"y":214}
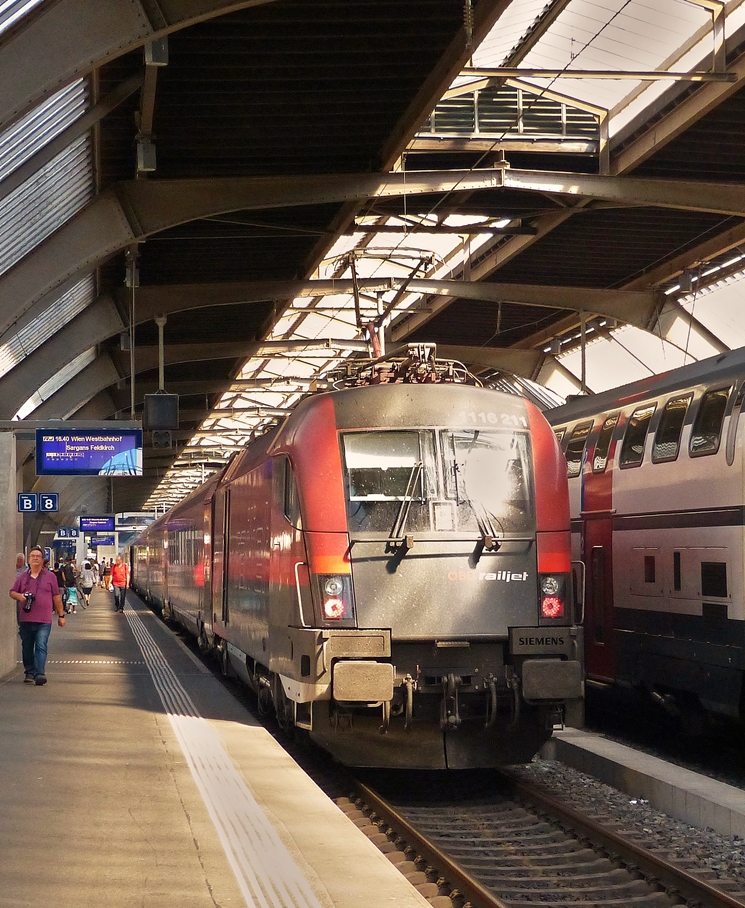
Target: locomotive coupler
{"x":491,"y":703}
{"x":386,"y":717}
{"x":449,"y":714}
{"x":408,"y":685}
{"x":513,"y":684}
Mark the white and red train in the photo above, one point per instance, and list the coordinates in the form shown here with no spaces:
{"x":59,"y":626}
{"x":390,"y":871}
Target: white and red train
{"x":657,"y":486}
{"x":388,"y":569}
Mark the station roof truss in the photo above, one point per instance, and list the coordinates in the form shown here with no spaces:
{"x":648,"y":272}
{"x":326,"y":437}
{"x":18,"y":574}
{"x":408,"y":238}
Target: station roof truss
{"x":290,"y":186}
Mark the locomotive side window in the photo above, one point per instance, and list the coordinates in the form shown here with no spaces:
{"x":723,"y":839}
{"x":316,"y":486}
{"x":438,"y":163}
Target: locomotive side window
{"x":602,"y":446}
{"x":707,"y":429}
{"x":667,"y":438}
{"x":576,"y":448}
{"x":632,"y":451}
{"x":559,"y":433}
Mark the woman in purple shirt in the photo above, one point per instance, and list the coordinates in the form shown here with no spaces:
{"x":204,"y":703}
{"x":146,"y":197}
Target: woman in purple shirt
{"x":37,"y":595}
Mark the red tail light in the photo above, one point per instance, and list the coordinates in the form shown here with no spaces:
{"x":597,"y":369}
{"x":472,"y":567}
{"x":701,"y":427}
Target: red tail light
{"x":552,"y":607}
{"x":333,"y":608}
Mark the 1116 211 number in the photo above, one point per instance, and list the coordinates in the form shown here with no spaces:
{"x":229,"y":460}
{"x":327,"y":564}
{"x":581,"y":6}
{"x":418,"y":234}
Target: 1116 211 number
{"x":484,"y":418}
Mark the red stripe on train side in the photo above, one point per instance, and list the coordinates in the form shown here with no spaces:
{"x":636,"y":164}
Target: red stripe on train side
{"x":550,"y":471}
{"x":554,"y":552}
{"x":313,"y":447}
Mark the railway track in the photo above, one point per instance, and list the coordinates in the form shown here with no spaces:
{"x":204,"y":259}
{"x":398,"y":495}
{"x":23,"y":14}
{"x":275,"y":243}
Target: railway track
{"x":518,"y":847}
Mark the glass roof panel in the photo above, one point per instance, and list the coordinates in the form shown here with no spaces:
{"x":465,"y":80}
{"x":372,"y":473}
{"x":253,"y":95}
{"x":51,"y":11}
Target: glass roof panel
{"x":44,"y":202}
{"x":12,"y":10}
{"x":43,"y":326}
{"x":54,"y":384}
{"x":32,"y":132}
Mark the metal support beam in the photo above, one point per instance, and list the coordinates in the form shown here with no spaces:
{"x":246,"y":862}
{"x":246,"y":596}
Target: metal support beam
{"x":134,"y":210}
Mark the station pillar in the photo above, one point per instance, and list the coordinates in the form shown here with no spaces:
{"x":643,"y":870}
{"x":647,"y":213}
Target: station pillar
{"x":9,"y":537}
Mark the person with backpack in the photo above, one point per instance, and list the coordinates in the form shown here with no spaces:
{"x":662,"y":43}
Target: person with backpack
{"x":87,"y":582}
{"x":68,"y":577}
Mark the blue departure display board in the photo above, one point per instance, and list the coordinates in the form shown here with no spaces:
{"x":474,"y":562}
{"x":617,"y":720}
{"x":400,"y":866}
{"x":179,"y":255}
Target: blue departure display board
{"x":102,"y":540}
{"x":93,"y":452}
{"x":97,"y":524}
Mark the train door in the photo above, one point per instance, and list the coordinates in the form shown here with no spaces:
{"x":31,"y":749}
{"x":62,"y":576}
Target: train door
{"x":597,"y":552}
{"x":600,"y":647}
{"x":220,"y":549}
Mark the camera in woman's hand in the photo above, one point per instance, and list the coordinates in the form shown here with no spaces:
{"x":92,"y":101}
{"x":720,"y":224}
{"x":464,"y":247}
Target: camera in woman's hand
{"x":29,"y":597}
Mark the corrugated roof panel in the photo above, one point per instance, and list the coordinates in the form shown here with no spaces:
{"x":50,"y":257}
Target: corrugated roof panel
{"x":44,"y":326}
{"x":32,"y":132}
{"x":44,"y":202}
{"x":12,"y":10}
{"x":56,"y":382}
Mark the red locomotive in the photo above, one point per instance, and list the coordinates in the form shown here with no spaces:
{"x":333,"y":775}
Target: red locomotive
{"x":388,"y":569}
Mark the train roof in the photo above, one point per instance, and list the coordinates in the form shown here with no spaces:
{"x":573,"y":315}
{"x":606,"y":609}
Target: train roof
{"x":722,"y":367}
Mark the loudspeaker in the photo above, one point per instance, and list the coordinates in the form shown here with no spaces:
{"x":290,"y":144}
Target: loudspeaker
{"x":160,"y":411}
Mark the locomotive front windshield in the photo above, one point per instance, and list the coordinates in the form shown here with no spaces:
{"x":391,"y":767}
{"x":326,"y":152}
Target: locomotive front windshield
{"x":456,"y":481}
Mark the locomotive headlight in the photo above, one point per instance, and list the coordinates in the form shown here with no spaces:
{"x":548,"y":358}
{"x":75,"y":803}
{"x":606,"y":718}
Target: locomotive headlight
{"x":333,"y":587}
{"x":549,"y":585}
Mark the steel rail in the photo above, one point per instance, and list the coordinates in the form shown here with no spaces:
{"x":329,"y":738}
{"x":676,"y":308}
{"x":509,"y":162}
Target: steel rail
{"x":471,"y":888}
{"x":669,"y":875}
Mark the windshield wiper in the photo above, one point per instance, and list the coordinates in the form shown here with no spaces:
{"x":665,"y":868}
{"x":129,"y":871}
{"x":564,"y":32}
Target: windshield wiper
{"x":488,"y":539}
{"x":395,"y":539}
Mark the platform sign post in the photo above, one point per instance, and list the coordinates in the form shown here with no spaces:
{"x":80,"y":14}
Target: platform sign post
{"x":49,"y":502}
{"x":67,"y":533}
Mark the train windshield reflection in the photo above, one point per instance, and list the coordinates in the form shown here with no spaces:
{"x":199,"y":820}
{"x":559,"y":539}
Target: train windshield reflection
{"x":469,"y":479}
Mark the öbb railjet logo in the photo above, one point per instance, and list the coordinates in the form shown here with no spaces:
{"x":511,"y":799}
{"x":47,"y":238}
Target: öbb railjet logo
{"x":497,"y":576}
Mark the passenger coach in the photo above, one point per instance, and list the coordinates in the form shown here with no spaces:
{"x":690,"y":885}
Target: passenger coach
{"x":657,"y":486}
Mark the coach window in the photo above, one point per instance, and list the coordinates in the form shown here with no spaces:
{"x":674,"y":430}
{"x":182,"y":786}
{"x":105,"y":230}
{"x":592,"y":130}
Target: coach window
{"x":576,"y":448}
{"x":632,"y":451}
{"x":602,"y":445}
{"x":667,"y":438}
{"x":707,"y":429}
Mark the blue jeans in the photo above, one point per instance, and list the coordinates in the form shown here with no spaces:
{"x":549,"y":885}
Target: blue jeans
{"x":120,"y":593}
{"x":34,"y":637}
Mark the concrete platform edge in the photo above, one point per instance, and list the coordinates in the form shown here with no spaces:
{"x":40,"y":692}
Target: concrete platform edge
{"x":697,"y":800}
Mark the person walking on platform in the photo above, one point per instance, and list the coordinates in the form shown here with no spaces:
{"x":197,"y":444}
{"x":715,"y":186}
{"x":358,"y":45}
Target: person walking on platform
{"x":106,"y":576}
{"x":21,"y":565}
{"x":38,"y":597}
{"x":120,"y":580}
{"x":87,"y":582}
{"x":68,"y":574}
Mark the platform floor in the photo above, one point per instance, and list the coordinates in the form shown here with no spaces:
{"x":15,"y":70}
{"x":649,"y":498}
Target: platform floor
{"x":135,"y":778}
